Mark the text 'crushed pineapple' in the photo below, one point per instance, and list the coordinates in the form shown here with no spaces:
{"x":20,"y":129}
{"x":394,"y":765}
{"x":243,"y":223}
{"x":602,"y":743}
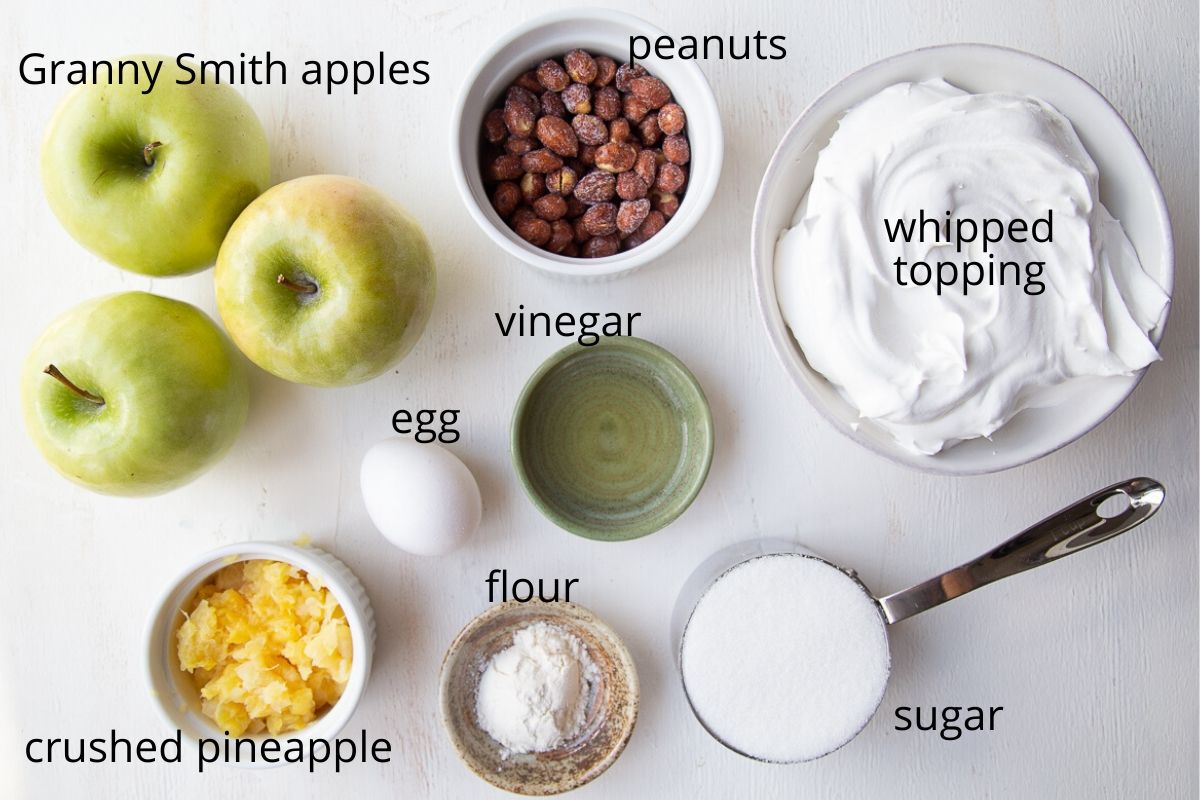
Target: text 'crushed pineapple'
{"x":267,"y":645}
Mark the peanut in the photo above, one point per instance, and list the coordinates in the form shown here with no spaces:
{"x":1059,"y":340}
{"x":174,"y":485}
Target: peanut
{"x":671,"y":119}
{"x":600,"y":219}
{"x":506,"y":198}
{"x":631,"y":214}
{"x":552,"y":76}
{"x":557,"y":135}
{"x":616,"y":157}
{"x":601,"y":246}
{"x":595,"y":187}
{"x":581,"y":66}
{"x":631,"y":187}
{"x":561,"y":181}
{"x":676,"y":149}
{"x":650,"y":90}
{"x":577,"y":99}
{"x":585,"y":157}
{"x":551,"y":207}
{"x":606,"y":70}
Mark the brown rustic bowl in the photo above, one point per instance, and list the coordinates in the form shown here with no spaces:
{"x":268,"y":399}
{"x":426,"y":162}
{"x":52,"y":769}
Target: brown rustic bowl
{"x":612,"y":707}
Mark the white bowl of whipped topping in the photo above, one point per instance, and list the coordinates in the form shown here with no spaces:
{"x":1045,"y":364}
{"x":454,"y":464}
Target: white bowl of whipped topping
{"x":963,"y":257}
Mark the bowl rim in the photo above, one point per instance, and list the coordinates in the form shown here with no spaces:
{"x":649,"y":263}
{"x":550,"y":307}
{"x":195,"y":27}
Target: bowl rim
{"x":557,"y":609}
{"x":699,"y":192}
{"x":786,"y":349}
{"x":658,"y":356}
{"x":159,"y":630}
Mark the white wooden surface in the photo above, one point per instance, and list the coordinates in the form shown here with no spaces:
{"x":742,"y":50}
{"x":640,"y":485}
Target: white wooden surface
{"x":1094,"y":659}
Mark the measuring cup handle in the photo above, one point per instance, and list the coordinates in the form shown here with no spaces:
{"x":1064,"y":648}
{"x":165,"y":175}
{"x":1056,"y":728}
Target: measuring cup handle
{"x":1073,"y":529}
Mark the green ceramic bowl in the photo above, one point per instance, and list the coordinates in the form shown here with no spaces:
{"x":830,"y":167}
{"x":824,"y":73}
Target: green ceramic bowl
{"x":612,"y":441}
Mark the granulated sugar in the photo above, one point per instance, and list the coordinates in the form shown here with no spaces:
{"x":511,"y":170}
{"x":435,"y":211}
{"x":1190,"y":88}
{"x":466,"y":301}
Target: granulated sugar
{"x":785,"y":658}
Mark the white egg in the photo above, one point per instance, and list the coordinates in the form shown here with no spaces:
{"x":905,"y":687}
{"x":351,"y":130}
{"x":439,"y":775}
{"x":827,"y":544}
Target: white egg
{"x":420,"y":496}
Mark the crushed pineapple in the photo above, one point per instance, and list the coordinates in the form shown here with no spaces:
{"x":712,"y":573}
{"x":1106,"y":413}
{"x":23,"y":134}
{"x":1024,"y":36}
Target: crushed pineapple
{"x":267,"y":646}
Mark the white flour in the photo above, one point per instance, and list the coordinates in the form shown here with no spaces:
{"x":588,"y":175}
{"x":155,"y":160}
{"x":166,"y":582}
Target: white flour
{"x":533,"y":696}
{"x":785,"y":658}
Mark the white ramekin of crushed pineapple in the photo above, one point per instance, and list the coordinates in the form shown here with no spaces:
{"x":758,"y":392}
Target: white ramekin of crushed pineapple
{"x":261,"y":640}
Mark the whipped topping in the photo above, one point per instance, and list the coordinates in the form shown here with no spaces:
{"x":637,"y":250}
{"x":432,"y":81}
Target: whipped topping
{"x":931,"y":368}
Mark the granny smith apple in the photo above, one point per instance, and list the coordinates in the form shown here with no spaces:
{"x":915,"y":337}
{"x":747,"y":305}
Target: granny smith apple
{"x":133,"y":393}
{"x":324,"y":281}
{"x":151,"y":182}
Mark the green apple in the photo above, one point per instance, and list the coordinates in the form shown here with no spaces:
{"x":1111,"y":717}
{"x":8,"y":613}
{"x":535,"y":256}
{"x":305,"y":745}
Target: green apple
{"x":151,"y":182}
{"x":324,"y":281}
{"x":133,"y":394}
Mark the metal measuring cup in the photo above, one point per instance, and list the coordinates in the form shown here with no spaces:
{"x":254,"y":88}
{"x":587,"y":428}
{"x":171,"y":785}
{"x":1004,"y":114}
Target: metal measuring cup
{"x":1070,"y":530}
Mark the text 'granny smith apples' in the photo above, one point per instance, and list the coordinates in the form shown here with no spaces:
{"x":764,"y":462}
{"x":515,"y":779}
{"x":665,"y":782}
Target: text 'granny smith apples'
{"x":151,"y":182}
{"x":133,"y":394}
{"x":324,"y":281}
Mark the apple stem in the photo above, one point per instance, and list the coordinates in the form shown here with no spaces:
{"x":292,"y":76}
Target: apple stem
{"x":299,"y":287}
{"x":148,"y":152}
{"x":55,"y":373}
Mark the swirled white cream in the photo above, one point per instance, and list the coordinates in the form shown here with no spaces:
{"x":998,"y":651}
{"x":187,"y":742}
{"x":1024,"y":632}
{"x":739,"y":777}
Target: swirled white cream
{"x":935,"y":370}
